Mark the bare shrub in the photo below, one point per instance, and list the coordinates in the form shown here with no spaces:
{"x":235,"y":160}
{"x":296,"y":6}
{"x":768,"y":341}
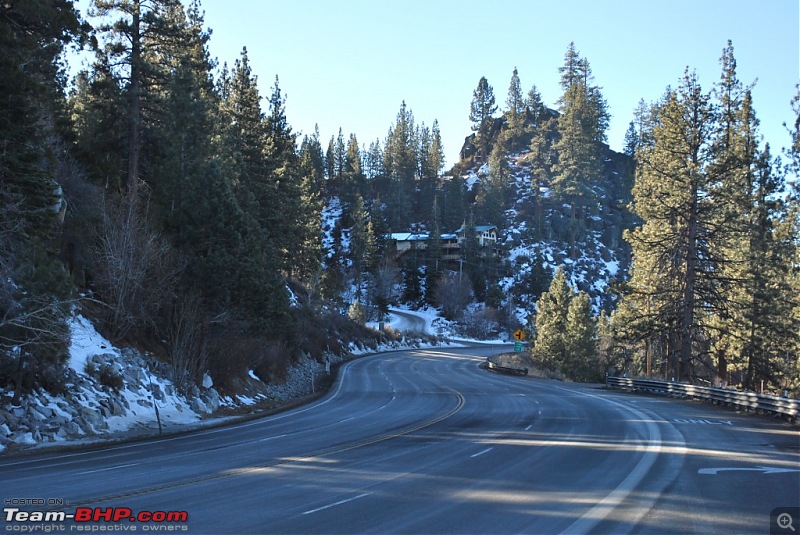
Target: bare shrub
{"x":186,"y":337}
{"x":233,"y":356}
{"x":481,"y":322}
{"x":136,"y":272}
{"x":454,"y":293}
{"x":273,"y":362}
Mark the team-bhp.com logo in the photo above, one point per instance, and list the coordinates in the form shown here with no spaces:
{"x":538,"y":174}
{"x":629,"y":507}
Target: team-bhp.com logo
{"x":94,"y":519}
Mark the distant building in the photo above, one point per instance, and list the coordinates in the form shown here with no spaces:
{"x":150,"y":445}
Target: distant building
{"x":486,"y":234}
{"x":452,"y":243}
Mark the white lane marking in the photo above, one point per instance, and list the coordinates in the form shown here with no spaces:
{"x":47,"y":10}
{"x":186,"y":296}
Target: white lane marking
{"x":650,"y":452}
{"x":340,"y":502}
{"x":487,"y":450}
{"x":701,"y":421}
{"x":762,"y":469}
{"x":271,"y":438}
{"x":109,"y":468}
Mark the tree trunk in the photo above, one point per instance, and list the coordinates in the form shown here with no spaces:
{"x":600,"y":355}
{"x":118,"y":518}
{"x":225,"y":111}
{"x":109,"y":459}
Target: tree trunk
{"x":687,"y":315}
{"x":135,"y":91}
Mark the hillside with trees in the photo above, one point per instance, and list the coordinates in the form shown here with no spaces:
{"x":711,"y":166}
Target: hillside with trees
{"x":167,"y":197}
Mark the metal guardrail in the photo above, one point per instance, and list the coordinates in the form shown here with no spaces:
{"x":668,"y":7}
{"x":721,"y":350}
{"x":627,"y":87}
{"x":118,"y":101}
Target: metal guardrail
{"x":503,"y":369}
{"x":746,"y":400}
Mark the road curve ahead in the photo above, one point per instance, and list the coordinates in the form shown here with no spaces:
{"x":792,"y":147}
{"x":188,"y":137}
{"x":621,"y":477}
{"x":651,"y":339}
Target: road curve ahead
{"x":427,"y":442}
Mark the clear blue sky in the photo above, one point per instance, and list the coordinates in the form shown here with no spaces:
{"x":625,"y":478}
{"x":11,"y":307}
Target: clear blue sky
{"x":350,"y":64}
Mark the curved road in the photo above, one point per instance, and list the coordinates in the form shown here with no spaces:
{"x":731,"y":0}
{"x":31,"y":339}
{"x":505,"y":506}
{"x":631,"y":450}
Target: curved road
{"x":426,"y":442}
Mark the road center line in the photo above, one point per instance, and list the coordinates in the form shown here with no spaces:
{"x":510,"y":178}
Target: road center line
{"x":107,"y":469}
{"x":487,"y":450}
{"x":340,"y":502}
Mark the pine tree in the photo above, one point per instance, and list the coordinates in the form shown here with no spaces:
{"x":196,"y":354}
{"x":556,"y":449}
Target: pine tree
{"x":373,"y":161}
{"x":339,"y":161}
{"x":631,"y":140}
{"x":550,"y":323}
{"x":579,"y":337}
{"x":481,"y":112}
{"x":400,"y":166}
{"x":307,"y":261}
{"x":673,"y":283}
{"x":283,"y":208}
{"x":97,"y":112}
{"x":436,"y":159}
{"x":353,"y":182}
{"x":473,"y":258}
{"x":362,"y":243}
{"x":534,"y":106}
{"x":581,"y":128}
{"x":188,"y":107}
{"x":428,"y":176}
{"x":754,"y":325}
{"x":492,"y":195}
{"x":330,"y":165}
{"x":434,"y":266}
{"x":453,"y":202}
{"x":515,"y":110}
{"x":264,"y":182}
{"x":138,"y":40}
{"x":35,"y":287}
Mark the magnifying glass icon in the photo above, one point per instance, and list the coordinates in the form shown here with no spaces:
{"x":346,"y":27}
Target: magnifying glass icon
{"x":785,"y":521}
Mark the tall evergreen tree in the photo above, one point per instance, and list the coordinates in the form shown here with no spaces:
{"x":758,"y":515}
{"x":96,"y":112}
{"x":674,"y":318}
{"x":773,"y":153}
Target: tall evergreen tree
{"x":284,"y":215}
{"x":35,"y":287}
{"x":492,"y":195}
{"x":482,"y":109}
{"x":453,"y":202}
{"x":550,"y":323}
{"x":435,"y":252}
{"x":353,"y":180}
{"x":515,"y":109}
{"x":362,"y":243}
{"x":534,"y":106}
{"x":673,"y":273}
{"x":565,"y":331}
{"x":307,"y":260}
{"x":581,"y":128}
{"x":400,"y":166}
{"x":581,"y":362}
{"x":373,"y":161}
{"x":136,"y":41}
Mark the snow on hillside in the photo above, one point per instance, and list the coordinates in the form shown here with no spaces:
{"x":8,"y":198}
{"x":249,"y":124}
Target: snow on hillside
{"x":590,"y":269}
{"x":115,"y":392}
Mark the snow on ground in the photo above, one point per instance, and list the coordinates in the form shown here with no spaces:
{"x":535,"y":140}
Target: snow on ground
{"x":85,"y":342}
{"x":92,"y":412}
{"x":435,"y":325}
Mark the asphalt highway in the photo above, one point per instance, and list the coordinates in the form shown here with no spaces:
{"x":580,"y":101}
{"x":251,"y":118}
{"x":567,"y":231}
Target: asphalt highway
{"x":427,"y":442}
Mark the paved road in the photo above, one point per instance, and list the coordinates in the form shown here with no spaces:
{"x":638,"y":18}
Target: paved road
{"x":426,"y":442}
{"x":409,"y":322}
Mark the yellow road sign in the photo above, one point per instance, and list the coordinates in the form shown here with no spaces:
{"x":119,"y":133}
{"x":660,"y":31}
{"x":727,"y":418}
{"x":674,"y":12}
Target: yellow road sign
{"x":519,"y":336}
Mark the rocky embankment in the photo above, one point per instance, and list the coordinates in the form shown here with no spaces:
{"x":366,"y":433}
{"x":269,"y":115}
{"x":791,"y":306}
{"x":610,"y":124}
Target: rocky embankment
{"x":120,"y":393}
